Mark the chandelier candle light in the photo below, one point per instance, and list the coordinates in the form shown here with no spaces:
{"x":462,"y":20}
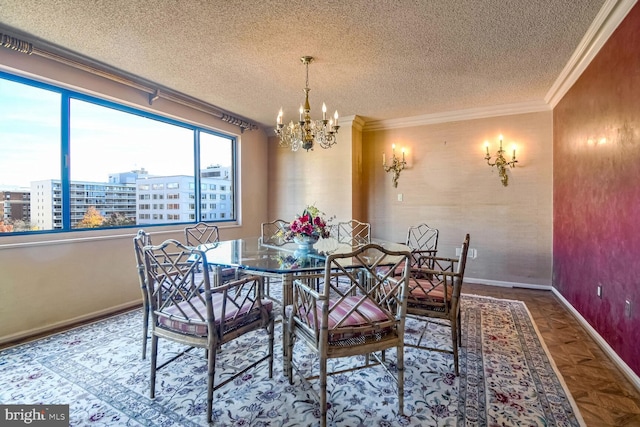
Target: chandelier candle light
{"x":306,"y":132}
{"x":501,"y":163}
{"x":396,"y":165}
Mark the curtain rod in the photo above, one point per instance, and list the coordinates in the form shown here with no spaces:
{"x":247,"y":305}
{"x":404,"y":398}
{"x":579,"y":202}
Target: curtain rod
{"x":154,"y":91}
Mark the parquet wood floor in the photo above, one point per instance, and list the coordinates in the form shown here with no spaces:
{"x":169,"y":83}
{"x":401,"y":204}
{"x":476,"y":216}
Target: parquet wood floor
{"x":604,"y":395}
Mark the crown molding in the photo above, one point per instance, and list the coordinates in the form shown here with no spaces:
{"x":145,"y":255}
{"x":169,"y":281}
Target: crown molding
{"x":355,"y":121}
{"x":459,"y":115}
{"x":610,"y":16}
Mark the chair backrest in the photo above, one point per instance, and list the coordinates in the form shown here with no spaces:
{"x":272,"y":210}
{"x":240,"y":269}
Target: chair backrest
{"x":422,"y":237}
{"x":353,"y":232}
{"x":201,"y":233}
{"x":141,"y":240}
{"x":176,"y":271}
{"x":423,"y":241}
{"x":360,"y":295}
{"x":273,"y":232}
{"x":462,"y":260}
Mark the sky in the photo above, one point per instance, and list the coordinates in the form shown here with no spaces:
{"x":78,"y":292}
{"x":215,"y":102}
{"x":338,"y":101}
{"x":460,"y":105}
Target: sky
{"x":102,"y":140}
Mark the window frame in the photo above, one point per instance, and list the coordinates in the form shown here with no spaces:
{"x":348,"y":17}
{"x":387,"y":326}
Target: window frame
{"x":66,"y":95}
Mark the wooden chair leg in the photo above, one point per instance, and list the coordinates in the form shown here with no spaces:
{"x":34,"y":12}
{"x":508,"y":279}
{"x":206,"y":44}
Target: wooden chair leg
{"x":270,"y":329}
{"x":289,"y":350}
{"x":323,"y":391}
{"x":459,"y":328}
{"x":154,"y":360}
{"x":211,"y":363}
{"x":145,"y":331}
{"x":400,"y":362}
{"x":454,"y":343}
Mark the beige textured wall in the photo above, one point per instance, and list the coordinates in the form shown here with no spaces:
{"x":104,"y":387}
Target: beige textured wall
{"x":52,"y":280}
{"x":324,"y":177}
{"x":449,"y":186}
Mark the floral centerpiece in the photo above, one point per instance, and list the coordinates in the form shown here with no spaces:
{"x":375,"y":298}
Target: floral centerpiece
{"x":307,"y":228}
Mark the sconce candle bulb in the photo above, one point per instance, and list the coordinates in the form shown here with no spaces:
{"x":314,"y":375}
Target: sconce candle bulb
{"x":396,"y":165}
{"x":501,"y":163}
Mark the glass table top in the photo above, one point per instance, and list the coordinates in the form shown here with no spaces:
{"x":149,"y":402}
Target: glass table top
{"x":251,"y":254}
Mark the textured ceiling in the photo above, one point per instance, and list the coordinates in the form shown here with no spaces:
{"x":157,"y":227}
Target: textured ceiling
{"x":384,"y":59}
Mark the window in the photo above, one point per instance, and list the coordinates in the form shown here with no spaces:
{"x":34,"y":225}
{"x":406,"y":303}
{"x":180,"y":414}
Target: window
{"x":140,"y":156}
{"x":29,"y":141}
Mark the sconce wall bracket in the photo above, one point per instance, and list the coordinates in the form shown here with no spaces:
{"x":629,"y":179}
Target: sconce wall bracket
{"x":501,"y":163}
{"x":396,"y":167}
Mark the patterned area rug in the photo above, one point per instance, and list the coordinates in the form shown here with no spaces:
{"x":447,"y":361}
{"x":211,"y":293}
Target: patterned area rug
{"x":507,"y":379}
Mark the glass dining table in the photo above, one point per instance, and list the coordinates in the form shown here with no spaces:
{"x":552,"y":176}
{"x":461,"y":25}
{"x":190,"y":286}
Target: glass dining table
{"x":252,"y":256}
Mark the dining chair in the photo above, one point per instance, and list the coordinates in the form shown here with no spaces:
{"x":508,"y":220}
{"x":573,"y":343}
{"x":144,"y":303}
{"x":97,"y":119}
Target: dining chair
{"x":363,"y":318}
{"x":434,"y":293}
{"x":423,"y":240}
{"x":187,"y":308}
{"x":141,"y":240}
{"x":351,"y":232}
{"x":202,"y":233}
{"x":272,"y":233}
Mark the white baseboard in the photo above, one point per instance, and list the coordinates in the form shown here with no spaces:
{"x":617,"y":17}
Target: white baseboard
{"x":626,"y":370}
{"x":76,"y":320}
{"x":507,"y":284}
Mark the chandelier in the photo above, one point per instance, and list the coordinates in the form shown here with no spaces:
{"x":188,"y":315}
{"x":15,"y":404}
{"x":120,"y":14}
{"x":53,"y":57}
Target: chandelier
{"x":306,"y":132}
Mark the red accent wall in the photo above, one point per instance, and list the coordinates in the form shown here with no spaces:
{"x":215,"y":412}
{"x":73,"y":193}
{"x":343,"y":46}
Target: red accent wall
{"x":596,"y":191}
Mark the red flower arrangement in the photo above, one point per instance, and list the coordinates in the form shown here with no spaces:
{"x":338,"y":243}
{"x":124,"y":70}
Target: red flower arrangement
{"x":309,"y":224}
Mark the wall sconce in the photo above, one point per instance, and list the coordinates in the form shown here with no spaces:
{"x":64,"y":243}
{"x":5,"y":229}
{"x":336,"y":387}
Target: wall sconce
{"x":501,"y":163}
{"x":396,"y":165}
